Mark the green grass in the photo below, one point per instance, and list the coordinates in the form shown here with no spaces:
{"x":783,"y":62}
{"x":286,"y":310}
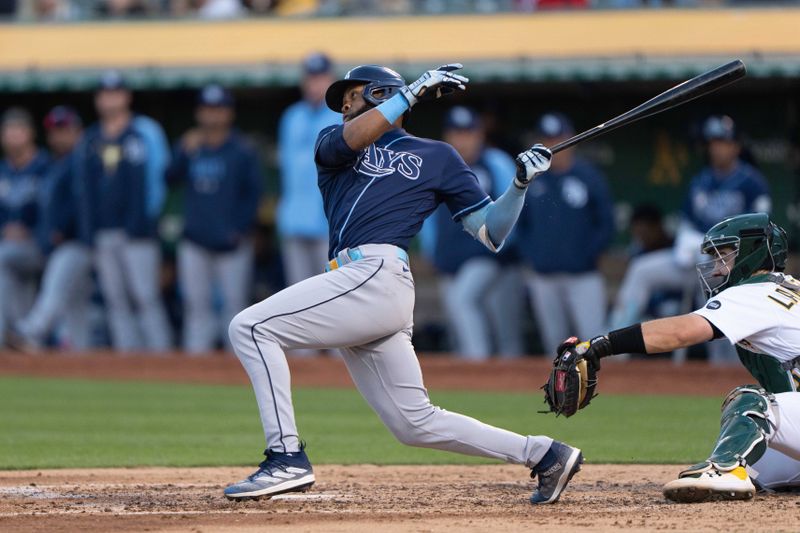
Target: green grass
{"x":77,"y":423}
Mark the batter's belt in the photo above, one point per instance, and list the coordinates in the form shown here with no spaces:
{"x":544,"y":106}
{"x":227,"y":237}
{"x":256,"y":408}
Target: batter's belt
{"x":348,"y":255}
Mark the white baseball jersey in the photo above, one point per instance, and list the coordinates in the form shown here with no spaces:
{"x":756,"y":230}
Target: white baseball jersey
{"x":762,"y":317}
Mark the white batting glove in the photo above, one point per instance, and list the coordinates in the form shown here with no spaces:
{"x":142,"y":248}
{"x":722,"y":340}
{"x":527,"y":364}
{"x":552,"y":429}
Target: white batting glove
{"x":435,"y":84}
{"x":531,"y":163}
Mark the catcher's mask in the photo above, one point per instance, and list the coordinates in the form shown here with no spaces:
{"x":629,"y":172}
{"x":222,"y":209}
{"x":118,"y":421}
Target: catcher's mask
{"x":739,"y":247}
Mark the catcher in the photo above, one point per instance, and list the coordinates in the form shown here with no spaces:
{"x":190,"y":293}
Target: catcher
{"x":756,"y":307}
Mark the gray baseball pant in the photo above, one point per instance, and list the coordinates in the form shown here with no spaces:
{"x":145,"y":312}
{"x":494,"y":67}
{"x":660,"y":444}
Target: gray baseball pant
{"x":562,"y":302}
{"x":129,"y":275}
{"x":20,"y":262}
{"x":484,"y":304}
{"x":63,"y":297}
{"x":201,"y":270}
{"x":365,"y":308}
{"x":302,"y":257}
{"x":780,"y":464}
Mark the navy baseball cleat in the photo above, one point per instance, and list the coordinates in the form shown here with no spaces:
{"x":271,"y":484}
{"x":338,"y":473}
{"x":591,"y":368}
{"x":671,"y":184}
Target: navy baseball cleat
{"x":556,"y":468}
{"x":277,"y":474}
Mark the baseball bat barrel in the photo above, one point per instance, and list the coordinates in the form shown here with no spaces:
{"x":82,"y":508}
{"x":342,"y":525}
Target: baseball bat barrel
{"x":680,"y":94}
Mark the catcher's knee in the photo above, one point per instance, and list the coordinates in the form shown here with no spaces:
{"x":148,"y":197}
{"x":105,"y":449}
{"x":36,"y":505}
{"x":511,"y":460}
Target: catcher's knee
{"x":750,"y":401}
{"x":745,"y":426}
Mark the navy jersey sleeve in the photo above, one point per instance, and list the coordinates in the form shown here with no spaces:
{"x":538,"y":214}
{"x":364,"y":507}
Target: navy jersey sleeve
{"x":459,"y":187}
{"x":331,"y":151}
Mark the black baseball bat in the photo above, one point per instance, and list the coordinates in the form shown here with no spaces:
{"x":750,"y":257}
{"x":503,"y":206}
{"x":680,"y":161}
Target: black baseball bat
{"x":680,"y":94}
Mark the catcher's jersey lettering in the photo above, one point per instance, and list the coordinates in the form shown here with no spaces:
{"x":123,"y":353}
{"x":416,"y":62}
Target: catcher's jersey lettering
{"x":761,"y":316}
{"x":382,"y":194}
{"x":784,"y":297}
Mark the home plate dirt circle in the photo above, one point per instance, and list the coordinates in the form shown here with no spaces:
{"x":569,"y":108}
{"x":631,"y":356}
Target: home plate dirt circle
{"x":368,"y":497}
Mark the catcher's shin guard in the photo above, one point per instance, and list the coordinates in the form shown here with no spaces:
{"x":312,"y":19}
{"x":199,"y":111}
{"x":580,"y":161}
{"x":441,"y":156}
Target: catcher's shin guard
{"x":745,"y":429}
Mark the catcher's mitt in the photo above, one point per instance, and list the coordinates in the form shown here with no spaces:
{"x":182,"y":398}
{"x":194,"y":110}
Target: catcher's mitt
{"x":572,"y":380}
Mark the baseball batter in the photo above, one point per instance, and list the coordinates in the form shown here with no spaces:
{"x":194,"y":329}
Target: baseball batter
{"x":754,"y":305}
{"x":378,"y":184}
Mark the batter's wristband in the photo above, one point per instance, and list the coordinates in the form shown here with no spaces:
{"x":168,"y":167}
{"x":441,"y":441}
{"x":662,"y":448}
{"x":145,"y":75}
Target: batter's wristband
{"x":393,"y":108}
{"x":627,"y":340}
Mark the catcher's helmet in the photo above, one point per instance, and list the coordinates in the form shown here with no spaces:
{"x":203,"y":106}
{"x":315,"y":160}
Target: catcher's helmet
{"x":381,"y":84}
{"x":757,"y":243}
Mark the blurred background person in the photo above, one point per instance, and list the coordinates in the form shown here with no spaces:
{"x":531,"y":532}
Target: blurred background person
{"x":208,"y":9}
{"x":480,"y":291}
{"x":22,"y":173}
{"x":63,"y":298}
{"x":55,"y":11}
{"x":567,"y":223}
{"x":724,"y":187}
{"x":125,"y":8}
{"x":302,"y":225}
{"x":220,"y":173}
{"x":649,"y":235}
{"x":120,"y":174}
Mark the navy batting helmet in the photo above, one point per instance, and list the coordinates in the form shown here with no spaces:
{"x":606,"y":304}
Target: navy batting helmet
{"x":381,"y":84}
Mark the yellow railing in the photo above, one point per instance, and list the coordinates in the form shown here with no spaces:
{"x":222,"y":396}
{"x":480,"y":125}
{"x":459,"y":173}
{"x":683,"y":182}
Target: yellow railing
{"x":677,"y":33}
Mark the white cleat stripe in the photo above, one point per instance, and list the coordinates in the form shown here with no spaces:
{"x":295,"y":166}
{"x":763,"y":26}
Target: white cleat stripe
{"x":278,"y":487}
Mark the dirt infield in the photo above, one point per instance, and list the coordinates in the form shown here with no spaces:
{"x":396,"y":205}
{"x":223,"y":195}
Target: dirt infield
{"x":524,"y":375}
{"x":366,"y":497}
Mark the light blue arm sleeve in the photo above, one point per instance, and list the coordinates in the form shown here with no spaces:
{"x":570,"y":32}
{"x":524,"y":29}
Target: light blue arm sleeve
{"x":493,"y":223}
{"x":157,"y":150}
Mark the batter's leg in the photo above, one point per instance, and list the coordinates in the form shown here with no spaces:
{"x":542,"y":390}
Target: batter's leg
{"x":466,"y":311}
{"x":234,"y":271}
{"x":196,"y":277}
{"x":550,"y":310}
{"x":109,"y":261}
{"x":143,"y":270}
{"x":388,"y":375}
{"x":353,"y":305}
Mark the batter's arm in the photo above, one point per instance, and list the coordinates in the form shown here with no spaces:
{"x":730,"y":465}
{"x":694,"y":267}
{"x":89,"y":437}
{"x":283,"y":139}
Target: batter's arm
{"x":492,"y":224}
{"x":368,"y":127}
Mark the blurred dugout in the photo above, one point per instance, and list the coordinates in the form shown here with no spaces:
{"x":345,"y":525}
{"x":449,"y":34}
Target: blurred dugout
{"x":481,"y":292}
